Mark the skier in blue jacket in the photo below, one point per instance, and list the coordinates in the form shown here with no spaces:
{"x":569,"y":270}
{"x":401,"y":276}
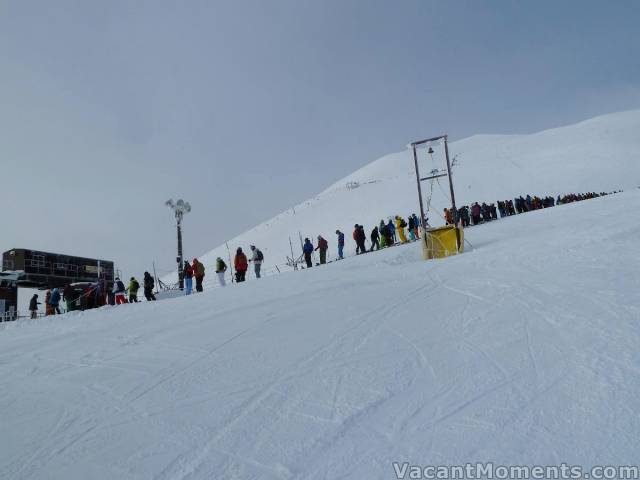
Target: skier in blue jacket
{"x":54,"y":301}
{"x":307,"y":249}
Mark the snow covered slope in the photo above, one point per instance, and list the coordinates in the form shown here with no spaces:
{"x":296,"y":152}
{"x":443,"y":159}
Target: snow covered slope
{"x":522,"y":351}
{"x":600,"y":154}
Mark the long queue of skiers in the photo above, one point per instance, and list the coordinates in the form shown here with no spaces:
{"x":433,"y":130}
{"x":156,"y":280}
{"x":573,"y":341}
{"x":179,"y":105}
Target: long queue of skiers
{"x":386,"y":234}
{"x":480,"y":213}
{"x":395,"y":230}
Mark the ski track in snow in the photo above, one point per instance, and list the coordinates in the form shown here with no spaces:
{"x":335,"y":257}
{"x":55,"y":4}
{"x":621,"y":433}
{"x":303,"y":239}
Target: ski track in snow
{"x":522,"y":350}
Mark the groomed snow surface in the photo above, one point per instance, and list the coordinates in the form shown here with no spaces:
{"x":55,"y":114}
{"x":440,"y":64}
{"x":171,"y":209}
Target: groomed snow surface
{"x":523,"y":350}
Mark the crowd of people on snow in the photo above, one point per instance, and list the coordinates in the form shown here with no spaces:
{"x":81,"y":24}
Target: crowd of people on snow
{"x":477,"y":213}
{"x":396,"y":230}
{"x":87,"y":296}
{"x":386,"y":234}
{"x":240,"y":264}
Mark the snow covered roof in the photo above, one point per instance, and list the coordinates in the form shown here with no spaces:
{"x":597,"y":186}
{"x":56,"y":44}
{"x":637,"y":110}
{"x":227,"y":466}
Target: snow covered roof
{"x":11,"y":275}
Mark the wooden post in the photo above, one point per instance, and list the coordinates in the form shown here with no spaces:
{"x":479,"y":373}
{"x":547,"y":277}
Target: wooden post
{"x":453,"y":197}
{"x":155,"y":276}
{"x":415,"y":161}
{"x":295,"y":264}
{"x":230,"y":262}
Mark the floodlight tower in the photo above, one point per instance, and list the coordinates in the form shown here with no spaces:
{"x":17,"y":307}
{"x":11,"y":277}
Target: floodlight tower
{"x":179,"y":209}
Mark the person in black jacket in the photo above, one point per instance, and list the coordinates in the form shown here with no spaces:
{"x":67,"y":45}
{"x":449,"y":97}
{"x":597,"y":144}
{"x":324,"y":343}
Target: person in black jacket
{"x":375,"y":239}
{"x":33,"y":306}
{"x":387,"y":233}
{"x":149,"y":284}
{"x":187,"y":275}
{"x":361,"y":239}
{"x":70,"y":297}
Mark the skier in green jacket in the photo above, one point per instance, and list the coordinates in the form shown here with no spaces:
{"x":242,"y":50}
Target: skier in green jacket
{"x":134,"y":286}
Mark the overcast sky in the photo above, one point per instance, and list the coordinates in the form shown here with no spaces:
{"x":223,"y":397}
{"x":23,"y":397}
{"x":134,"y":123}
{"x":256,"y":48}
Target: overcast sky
{"x":245,"y":108}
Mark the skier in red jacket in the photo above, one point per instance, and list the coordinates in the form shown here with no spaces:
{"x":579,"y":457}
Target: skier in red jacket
{"x":241,"y":265}
{"x":323,"y":246}
{"x":198,"y":272}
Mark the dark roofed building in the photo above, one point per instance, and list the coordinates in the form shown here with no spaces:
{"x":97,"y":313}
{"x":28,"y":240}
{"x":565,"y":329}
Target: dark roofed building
{"x":36,"y":269}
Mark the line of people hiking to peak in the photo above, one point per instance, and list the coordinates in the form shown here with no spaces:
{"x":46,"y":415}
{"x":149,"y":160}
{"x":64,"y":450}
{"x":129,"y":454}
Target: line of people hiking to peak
{"x":396,"y":230}
{"x":386,"y":234}
{"x":478,"y":213}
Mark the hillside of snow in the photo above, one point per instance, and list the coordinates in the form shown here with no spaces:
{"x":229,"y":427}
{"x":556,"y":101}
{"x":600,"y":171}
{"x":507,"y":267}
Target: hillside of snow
{"x":523,"y":350}
{"x":600,"y":154}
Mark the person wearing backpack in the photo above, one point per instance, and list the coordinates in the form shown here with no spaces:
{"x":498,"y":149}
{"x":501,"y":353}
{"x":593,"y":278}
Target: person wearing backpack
{"x":257,"y":258}
{"x":359,"y":237}
{"x":241,"y":265}
{"x":149,"y":283}
{"x":392,"y":232}
{"x":118,"y":291}
{"x":198,"y":272}
{"x":54,"y":301}
{"x":221,"y":268}
{"x":323,"y":246}
{"x":187,"y":275}
{"x":340,"y":244}
{"x":134,"y":286}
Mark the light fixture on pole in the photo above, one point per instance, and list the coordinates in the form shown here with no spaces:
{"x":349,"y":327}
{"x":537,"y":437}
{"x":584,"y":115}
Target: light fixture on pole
{"x":179,"y":209}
